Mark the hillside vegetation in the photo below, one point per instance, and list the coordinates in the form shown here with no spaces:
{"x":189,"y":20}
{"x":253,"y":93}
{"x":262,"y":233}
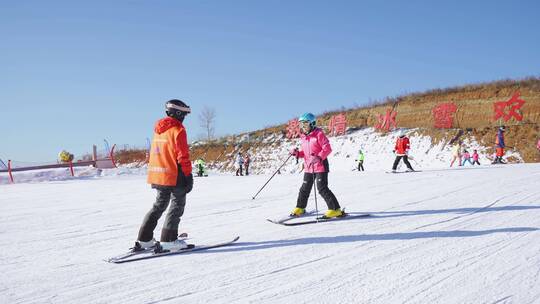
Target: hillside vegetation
{"x":474,"y":118}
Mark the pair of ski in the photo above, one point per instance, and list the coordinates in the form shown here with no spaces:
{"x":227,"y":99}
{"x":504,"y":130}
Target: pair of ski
{"x":150,"y":253}
{"x":307,"y":219}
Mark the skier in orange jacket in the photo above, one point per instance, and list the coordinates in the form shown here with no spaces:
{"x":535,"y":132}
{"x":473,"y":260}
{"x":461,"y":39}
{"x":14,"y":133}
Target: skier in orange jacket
{"x":169,"y":172}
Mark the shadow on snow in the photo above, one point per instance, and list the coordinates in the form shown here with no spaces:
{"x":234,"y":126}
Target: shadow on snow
{"x":249,"y":246}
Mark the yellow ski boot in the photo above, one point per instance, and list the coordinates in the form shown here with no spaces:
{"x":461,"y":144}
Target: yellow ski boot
{"x":333,"y":213}
{"x":298,"y":211}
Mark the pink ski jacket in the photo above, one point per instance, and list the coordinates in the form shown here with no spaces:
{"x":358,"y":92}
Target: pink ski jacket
{"x":314,"y":143}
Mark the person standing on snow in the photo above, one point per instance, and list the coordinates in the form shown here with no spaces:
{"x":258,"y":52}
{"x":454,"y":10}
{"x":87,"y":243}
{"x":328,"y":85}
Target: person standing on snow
{"x":360,"y":160}
{"x":201,"y":167}
{"x":466,"y":158}
{"x":247,"y":161}
{"x":475,"y":158}
{"x":315,"y":150}
{"x":169,"y":172}
{"x":499,"y":146}
{"x":239,"y":163}
{"x":456,"y":153}
{"x":401,"y":149}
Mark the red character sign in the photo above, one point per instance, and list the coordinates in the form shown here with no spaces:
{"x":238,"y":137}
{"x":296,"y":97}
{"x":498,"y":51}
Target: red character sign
{"x":337,"y":124}
{"x":443,"y":115}
{"x":293,"y":129}
{"x":388,"y":121}
{"x":509,"y":109}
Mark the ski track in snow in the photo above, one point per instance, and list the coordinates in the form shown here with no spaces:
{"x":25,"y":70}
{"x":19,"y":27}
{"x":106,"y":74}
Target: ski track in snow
{"x":437,"y":236}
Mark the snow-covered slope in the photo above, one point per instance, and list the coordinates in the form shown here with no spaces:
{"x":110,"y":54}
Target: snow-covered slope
{"x":462,"y":235}
{"x":377,"y":148}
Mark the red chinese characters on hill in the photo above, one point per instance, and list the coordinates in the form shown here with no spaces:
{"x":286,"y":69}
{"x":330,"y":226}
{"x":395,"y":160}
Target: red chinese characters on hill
{"x":388,"y":121}
{"x":510,"y":108}
{"x":293,"y":129}
{"x":337,"y":124}
{"x":443,"y":115}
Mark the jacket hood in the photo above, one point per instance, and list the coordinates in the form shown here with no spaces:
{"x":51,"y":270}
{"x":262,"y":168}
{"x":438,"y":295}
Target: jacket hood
{"x":165,"y":124}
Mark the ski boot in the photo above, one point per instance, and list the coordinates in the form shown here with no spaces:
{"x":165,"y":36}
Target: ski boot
{"x":175,"y":245}
{"x":142,"y":245}
{"x":333,"y":213}
{"x":298,"y":211}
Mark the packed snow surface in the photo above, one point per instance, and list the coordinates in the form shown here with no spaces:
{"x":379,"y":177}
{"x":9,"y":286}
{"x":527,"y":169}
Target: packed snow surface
{"x":461,"y":235}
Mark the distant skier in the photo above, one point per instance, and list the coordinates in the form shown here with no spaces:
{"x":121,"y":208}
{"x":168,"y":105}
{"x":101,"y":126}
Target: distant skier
{"x":401,"y":149}
{"x":466,"y":158}
{"x":239,"y":161}
{"x":169,"y":172}
{"x":499,"y":146}
{"x":200,"y":165}
{"x":475,"y":158}
{"x":315,"y":150}
{"x":456,"y":153}
{"x":360,"y":160}
{"x":247,"y":161}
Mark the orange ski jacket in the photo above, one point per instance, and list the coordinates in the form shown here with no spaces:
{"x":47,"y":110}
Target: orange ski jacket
{"x":169,"y":152}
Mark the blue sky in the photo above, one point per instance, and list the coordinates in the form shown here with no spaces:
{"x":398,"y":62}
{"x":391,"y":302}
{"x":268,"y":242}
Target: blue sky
{"x":76,"y":72}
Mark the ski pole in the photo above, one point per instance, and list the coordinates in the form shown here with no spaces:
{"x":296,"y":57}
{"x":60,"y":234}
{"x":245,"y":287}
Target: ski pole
{"x":272,"y":177}
{"x":315,"y":193}
{"x":412,"y":158}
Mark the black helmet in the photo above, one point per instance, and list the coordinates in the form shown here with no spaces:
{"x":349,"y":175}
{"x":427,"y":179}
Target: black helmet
{"x":177,"y":109}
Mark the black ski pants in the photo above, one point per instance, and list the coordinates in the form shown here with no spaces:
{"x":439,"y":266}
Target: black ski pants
{"x":405,"y":160}
{"x":360,"y":165}
{"x":239,"y":171}
{"x":322,"y":187}
{"x":176,"y":198}
{"x":200,"y":170}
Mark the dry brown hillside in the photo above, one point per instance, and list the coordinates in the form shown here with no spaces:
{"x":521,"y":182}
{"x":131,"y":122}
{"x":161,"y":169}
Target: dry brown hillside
{"x":474,"y":117}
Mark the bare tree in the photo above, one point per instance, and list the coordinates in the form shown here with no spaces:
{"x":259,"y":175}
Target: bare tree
{"x":207,"y":119}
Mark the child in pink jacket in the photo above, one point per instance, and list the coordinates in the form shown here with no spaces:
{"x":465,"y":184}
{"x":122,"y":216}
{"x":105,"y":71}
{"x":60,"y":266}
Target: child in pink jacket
{"x":315,"y":150}
{"x":475,"y":158}
{"x":467,"y":158}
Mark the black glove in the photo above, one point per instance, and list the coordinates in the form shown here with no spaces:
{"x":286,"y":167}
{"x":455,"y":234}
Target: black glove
{"x":185,"y":182}
{"x":189,"y":182}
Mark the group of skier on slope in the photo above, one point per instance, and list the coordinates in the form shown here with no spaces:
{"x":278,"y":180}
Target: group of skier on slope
{"x":170,"y":173}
